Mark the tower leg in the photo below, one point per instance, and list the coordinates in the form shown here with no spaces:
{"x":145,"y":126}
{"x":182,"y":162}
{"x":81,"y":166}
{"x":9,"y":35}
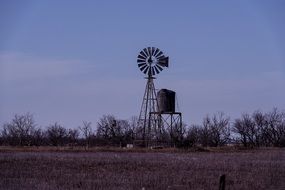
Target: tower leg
{"x":146,"y":122}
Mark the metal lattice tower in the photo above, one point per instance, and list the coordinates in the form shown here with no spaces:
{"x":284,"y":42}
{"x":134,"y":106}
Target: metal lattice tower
{"x":146,"y":121}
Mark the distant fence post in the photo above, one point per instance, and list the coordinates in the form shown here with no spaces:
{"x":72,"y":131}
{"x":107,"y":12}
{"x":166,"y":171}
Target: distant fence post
{"x":222,"y":182}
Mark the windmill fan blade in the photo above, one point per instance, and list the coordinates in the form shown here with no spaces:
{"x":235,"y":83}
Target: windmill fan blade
{"x":150,"y":51}
{"x":141,"y":57}
{"x":156,"y":70}
{"x":163,"y":62}
{"x":141,"y":64}
{"x":159,"y":54}
{"x":143,"y":54}
{"x":156,"y":52}
{"x":140,"y":61}
{"x":160,"y":57}
{"x":143,"y":67}
{"x":153,"y":50}
{"x":146,"y":52}
{"x":159,"y":67}
{"x":146,"y":70}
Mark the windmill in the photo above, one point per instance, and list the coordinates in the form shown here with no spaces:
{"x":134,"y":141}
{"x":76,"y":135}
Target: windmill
{"x":151,"y":61}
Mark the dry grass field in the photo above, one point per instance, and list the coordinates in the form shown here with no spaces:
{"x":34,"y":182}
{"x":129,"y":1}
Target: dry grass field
{"x":60,"y":169}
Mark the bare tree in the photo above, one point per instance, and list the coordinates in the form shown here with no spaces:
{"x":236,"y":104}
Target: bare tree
{"x":133,"y":122}
{"x":245,"y":128}
{"x":56,"y":134}
{"x":106,"y":127}
{"x":261,"y":136}
{"x":115,"y":131}
{"x":193,"y":135}
{"x":261,"y":129}
{"x":73,"y":135}
{"x":205,"y":132}
{"x":176,"y":133}
{"x":38,"y":138}
{"x":20,"y":130}
{"x":215,"y":131}
{"x":275,"y":127}
{"x":86,"y":129}
{"x":126,"y":132}
{"x":220,"y":129}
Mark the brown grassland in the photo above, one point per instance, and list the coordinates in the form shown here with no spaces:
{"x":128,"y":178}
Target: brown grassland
{"x":98,"y":168}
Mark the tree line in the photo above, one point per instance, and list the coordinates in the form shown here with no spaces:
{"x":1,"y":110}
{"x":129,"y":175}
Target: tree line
{"x":250,"y":130}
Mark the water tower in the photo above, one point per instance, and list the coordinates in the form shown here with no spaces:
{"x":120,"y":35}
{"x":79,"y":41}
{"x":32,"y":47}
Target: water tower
{"x":167,"y":115}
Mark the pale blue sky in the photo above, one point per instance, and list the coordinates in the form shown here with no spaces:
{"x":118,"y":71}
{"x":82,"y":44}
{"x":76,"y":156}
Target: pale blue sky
{"x":69,"y":61}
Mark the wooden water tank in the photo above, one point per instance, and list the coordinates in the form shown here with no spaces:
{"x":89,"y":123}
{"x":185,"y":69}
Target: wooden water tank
{"x":166,"y":100}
